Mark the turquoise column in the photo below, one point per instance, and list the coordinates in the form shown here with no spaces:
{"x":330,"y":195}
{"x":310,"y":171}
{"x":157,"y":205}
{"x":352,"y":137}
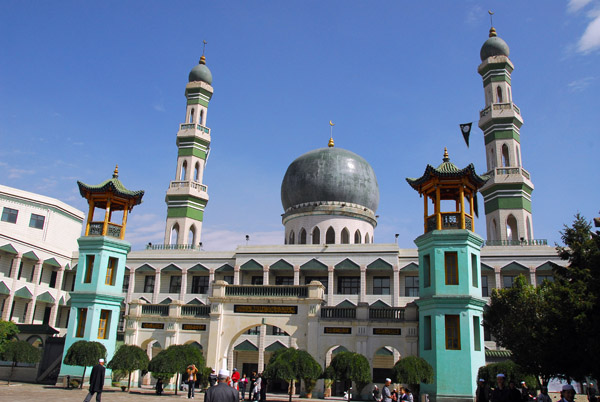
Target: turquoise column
{"x":451,"y":312}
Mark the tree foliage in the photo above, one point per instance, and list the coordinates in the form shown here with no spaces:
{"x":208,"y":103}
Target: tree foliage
{"x":174,"y":360}
{"x":292,"y":364}
{"x":129,"y":358}
{"x":20,"y":352}
{"x":553,"y":329}
{"x":512,"y":372}
{"x":348,"y":367}
{"x":85,"y":353}
{"x":8,"y":330}
{"x":413,"y":370}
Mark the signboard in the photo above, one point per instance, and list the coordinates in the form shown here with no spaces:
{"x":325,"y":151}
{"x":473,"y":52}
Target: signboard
{"x":193,"y":327}
{"x":387,"y":331}
{"x":338,"y":330}
{"x":153,"y":325}
{"x":268,"y":309}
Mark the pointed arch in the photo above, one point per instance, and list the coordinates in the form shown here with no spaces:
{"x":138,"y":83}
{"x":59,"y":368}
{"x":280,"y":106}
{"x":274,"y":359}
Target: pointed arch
{"x":345,"y":236}
{"x":357,"y":237}
{"x":174,"y":234}
{"x":499,"y":94}
{"x":512,"y":232}
{"x":292,"y":238}
{"x":529,"y":231}
{"x":192,"y":235}
{"x":494,"y":230}
{"x":330,"y":236}
{"x":183,"y":172}
{"x":518,"y":155}
{"x":316,"y":235}
{"x":505,"y":156}
{"x":367,"y":239}
{"x":302,"y":239}
{"x":196,"y":171}
{"x":201,"y":119}
{"x":191,"y":118}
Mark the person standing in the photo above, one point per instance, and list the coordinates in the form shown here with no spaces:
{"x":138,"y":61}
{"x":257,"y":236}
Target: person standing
{"x":212,"y":378}
{"x":525,"y":392}
{"x":263,"y":388}
{"x":222,"y":392}
{"x":591,"y":393}
{"x":96,"y":382}
{"x":243,"y":385}
{"x":543,"y":396}
{"x":482,"y":394}
{"x":252,"y":385}
{"x":376,"y":394}
{"x":235,"y":379}
{"x":500,"y":393}
{"x":191,"y":373}
{"x":514,"y":395}
{"x":159,"y":387}
{"x":257,"y":388}
{"x":567,"y":394}
{"x":386,"y":394}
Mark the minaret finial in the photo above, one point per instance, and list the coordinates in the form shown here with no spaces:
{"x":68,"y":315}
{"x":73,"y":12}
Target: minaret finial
{"x":492,"y":29}
{"x":331,"y":144}
{"x":116,"y":172}
{"x":446,"y":157}
{"x":202,"y":58}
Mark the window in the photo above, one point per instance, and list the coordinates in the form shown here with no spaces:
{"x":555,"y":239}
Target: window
{"x":278,"y":331}
{"x":357,"y":237}
{"x":253,"y":331}
{"x":499,"y":93}
{"x":411,"y":286}
{"x":196,"y":171}
{"x":52,"y":282}
{"x":381,"y":285}
{"x":175,"y":284}
{"x":345,"y":236}
{"x":426,"y":271}
{"x":199,"y":284}
{"x":110,"y":271}
{"x":89,"y":268}
{"x":367,"y":239}
{"x":292,"y":238}
{"x":191,"y":119}
{"x":182,"y":173}
{"x":484,"y":286}
{"x":451,"y":265}
{"x":284,"y":280}
{"x":427,"y":332}
{"x":103,"y":325}
{"x":228,"y":279}
{"x":330,"y":236}
{"x":323,"y":279}
{"x":9,"y":215}
{"x":477,"y":334}
{"x":20,"y":270}
{"x":316,"y":236}
{"x":507,"y":281}
{"x":174,"y":234}
{"x":452,"y":332}
{"x":505,"y":158}
{"x":149,"y":284}
{"x":348,"y":285}
{"x":512,"y":232}
{"x":302,"y":236}
{"x":81,"y":322}
{"x":257,"y":280}
{"x":125,"y":283}
{"x":36,"y":221}
{"x":474,"y":276}
{"x":542,"y":278}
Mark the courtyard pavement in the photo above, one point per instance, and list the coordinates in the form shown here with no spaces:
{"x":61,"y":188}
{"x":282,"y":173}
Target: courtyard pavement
{"x":20,"y":392}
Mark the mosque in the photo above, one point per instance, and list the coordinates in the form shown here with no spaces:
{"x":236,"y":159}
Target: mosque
{"x":328,"y":287}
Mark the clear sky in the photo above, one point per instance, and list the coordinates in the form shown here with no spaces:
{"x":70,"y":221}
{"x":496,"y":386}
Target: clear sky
{"x":86,"y":85}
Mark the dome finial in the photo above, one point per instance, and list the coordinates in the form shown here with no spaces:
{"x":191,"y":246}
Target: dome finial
{"x":446,"y":157}
{"x":492,"y":29}
{"x":331,"y":144}
{"x":202,"y":58}
{"x":116,"y":172}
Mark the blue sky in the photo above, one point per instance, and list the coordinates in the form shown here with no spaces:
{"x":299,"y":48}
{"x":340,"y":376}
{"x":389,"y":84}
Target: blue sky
{"x":85,"y":85}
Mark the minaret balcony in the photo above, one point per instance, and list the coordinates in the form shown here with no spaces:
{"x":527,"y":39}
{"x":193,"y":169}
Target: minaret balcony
{"x":499,"y":110}
{"x":450,"y":220}
{"x":189,"y":184}
{"x":194,"y":126}
{"x":504,"y":171}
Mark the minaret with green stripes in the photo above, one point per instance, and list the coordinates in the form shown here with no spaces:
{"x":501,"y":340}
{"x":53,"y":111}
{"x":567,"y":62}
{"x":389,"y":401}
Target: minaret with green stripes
{"x":507,"y":195}
{"x":187,"y":196}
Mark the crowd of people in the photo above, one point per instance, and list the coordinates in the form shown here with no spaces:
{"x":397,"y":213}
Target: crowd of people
{"x":389,"y":394}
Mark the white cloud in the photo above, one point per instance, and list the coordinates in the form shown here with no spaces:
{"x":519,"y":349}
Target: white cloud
{"x":590,"y":40}
{"x":18,"y":173}
{"x":580,"y":84}
{"x":576,"y":5}
{"x":475,"y":15}
{"x":159,"y":107}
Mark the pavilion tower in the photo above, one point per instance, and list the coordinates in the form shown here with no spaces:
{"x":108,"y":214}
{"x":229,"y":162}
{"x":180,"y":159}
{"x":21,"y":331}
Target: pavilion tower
{"x":97,"y":295}
{"x":187,"y":197}
{"x":450,"y":303}
{"x":507,"y":195}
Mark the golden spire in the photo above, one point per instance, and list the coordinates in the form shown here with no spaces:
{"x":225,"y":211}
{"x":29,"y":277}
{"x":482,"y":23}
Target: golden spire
{"x":331,"y":143}
{"x":202,"y":58}
{"x":492,"y":29}
{"x":493,"y":32}
{"x":446,"y":157}
{"x":116,"y":172}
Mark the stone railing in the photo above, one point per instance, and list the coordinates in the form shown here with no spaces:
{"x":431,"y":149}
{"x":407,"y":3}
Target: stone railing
{"x":450,"y":220}
{"x":192,"y":126}
{"x":155,"y":309}
{"x":534,"y":242}
{"x":267,"y":291}
{"x":499,"y":107}
{"x":508,"y":170}
{"x":338,"y":312}
{"x":386,"y":313}
{"x":191,"y":184}
{"x":195,"y":311}
{"x":151,"y":246}
{"x":112,"y":230}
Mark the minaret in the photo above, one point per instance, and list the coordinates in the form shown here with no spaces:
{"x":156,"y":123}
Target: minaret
{"x":450,"y":303}
{"x":97,"y":294}
{"x":507,"y":195}
{"x":187,"y":196}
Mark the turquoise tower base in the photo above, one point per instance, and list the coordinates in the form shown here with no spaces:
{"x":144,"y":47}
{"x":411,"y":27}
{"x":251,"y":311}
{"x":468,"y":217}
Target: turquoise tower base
{"x":99,"y":295}
{"x":454,"y":353}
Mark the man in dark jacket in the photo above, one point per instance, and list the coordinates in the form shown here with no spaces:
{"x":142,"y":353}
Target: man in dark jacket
{"x":222,"y":392}
{"x":96,"y":381}
{"x":500,"y":393}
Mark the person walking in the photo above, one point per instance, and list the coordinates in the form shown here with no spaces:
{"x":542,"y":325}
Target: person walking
{"x":525,"y":392}
{"x":243,"y":385}
{"x":257,"y":388}
{"x":191,"y":373}
{"x":159,"y":387}
{"x":96,"y":382}
{"x":252,"y":385}
{"x":543,"y":396}
{"x":386,"y":394}
{"x":222,"y":392}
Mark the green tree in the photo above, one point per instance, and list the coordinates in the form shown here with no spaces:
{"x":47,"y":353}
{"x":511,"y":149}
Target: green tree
{"x":129,"y":358}
{"x":413,"y":370}
{"x":8,"y":330}
{"x":292,"y":364}
{"x":174,"y":360}
{"x":84,"y":353}
{"x":20,"y":352}
{"x":349,"y":367}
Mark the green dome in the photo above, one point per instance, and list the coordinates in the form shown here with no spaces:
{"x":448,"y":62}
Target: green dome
{"x":201,"y":73}
{"x":494,"y":46}
{"x":330,"y":174}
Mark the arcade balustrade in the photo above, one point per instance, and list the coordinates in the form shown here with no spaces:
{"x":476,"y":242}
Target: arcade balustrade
{"x":266,"y":291}
{"x":450,"y":220}
{"x":112,"y":230}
